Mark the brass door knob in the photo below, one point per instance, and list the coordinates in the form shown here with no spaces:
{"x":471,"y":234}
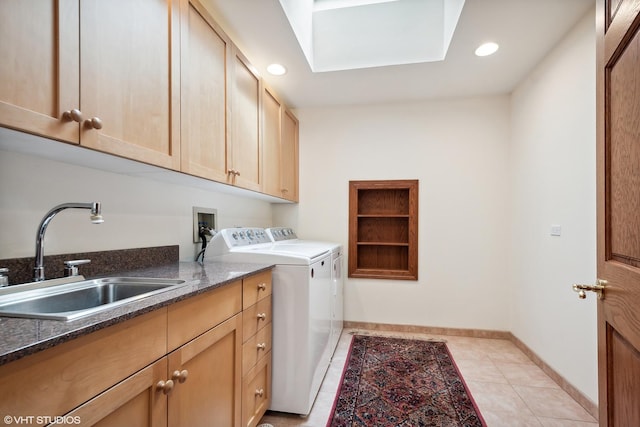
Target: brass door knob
{"x":165,"y":386}
{"x":262,"y":286}
{"x":259,"y":392}
{"x":583,"y":289}
{"x":262,"y":346}
{"x":261,"y":316}
{"x":74,"y":115}
{"x":180,"y":376}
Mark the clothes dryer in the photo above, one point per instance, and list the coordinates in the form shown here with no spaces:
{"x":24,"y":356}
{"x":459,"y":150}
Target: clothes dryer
{"x":286,"y":237}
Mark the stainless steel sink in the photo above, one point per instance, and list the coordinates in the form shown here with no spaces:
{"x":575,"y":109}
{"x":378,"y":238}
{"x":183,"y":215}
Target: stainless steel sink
{"x":78,"y":299}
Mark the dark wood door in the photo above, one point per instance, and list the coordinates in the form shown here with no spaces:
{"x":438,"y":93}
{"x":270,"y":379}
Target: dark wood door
{"x":618,"y":154}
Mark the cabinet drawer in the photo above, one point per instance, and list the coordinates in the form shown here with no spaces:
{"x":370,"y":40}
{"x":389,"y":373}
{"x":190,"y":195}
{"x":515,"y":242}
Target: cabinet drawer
{"x":256,"y":317}
{"x":255,"y":288}
{"x":256,"y":392}
{"x":255,"y":348}
{"x":54,"y":381}
{"x":194,"y":316}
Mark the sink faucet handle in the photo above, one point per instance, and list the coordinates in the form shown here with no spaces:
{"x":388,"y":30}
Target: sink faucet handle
{"x":4,"y":278}
{"x":71,"y":267}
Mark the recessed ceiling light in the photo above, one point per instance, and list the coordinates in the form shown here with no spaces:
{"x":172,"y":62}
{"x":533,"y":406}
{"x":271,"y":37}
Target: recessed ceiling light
{"x":487,"y":49}
{"x":276,"y":69}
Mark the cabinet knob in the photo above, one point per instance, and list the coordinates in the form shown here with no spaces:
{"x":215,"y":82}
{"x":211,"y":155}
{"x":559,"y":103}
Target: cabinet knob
{"x":262,"y":346}
{"x":74,"y":115}
{"x":284,"y":191}
{"x":262,"y":316}
{"x":237,"y":173}
{"x":165,"y":386}
{"x":94,"y":123}
{"x":259,"y":392}
{"x":262,"y":286}
{"x":180,"y":376}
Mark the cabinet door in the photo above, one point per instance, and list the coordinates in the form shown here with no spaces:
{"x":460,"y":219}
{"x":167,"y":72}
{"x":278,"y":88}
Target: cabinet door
{"x":136,"y":401}
{"x":211,"y":393}
{"x":205,"y":53}
{"x":130,"y":79}
{"x":39,"y":68}
{"x":245,"y":136}
{"x":271,"y":134}
{"x":289,"y":156}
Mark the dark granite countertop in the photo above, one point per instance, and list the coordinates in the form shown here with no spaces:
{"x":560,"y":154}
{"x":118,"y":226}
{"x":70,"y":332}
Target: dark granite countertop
{"x":21,"y":337}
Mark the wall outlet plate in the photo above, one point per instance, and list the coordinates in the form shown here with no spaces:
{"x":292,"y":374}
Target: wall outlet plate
{"x":205,"y":217}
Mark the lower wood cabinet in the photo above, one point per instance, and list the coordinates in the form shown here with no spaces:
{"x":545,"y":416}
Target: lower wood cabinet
{"x":182,"y":365}
{"x":206,"y":376}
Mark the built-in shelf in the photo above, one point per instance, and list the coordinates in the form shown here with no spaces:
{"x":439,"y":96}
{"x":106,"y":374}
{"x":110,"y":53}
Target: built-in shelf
{"x":383,"y":229}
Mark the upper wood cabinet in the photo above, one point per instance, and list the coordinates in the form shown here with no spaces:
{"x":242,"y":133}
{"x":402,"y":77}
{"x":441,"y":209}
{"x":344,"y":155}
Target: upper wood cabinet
{"x":289,"y":155}
{"x":115,"y":70}
{"x":280,"y":148}
{"x":383,"y":229}
{"x":157,"y":81}
{"x":271,"y":135}
{"x":244,"y":161}
{"x":205,"y":52}
{"x":40,"y":70}
{"x":130,"y":79}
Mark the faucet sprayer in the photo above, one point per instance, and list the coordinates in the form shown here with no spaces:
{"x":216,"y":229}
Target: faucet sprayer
{"x":96,"y":218}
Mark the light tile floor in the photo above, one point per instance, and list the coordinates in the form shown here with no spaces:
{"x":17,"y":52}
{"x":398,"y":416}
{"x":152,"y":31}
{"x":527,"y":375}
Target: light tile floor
{"x":509,"y":389}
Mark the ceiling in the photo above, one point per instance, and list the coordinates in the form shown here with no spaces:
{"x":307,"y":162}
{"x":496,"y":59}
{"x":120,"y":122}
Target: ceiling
{"x":525,"y":29}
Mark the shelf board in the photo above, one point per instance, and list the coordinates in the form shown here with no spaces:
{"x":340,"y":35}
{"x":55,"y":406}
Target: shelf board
{"x":383,"y":216}
{"x":382,"y":243}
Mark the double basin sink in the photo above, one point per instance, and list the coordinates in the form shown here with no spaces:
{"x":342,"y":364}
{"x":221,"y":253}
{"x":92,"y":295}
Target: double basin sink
{"x":70,"y":301}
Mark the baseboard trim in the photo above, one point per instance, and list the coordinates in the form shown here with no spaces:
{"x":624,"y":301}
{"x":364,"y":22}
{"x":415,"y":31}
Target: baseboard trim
{"x":590,"y":406}
{"x":578,"y":396}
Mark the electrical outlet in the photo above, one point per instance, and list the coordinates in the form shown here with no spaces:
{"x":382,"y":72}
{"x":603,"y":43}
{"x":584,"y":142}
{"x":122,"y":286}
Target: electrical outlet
{"x":203,"y":217}
{"x":556,"y":230}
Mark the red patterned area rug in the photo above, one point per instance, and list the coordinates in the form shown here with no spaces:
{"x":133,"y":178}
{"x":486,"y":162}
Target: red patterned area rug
{"x":402,"y":383}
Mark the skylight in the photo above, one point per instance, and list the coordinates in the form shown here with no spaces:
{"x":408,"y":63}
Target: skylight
{"x":347,"y":34}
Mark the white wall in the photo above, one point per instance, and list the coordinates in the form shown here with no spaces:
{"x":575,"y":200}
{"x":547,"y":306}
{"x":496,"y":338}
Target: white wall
{"x":495,"y":174}
{"x":458,"y":151}
{"x":552,"y":176}
{"x":138,"y":211}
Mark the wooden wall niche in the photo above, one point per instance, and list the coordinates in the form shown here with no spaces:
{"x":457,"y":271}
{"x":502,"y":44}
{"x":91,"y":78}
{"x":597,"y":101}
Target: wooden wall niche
{"x":383,"y":229}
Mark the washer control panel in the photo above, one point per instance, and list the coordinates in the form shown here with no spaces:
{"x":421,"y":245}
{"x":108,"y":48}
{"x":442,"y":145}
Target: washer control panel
{"x":278,"y":234}
{"x":236,"y":237}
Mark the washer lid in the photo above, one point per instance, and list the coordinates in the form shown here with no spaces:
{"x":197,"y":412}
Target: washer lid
{"x":295,"y":251}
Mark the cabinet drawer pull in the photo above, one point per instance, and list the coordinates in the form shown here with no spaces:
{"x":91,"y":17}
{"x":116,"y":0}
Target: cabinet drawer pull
{"x":74,"y":115}
{"x":165,"y":386}
{"x":261,"y":316}
{"x":262,"y":346}
{"x":180,"y":376}
{"x":262,"y":286}
{"x":259,"y":392}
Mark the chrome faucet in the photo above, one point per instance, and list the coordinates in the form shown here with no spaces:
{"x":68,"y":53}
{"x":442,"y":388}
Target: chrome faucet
{"x":96,"y":218}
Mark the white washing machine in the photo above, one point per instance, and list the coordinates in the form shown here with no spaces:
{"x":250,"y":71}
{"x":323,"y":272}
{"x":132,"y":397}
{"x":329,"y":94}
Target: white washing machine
{"x":302,"y":294}
{"x":284,"y":237}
